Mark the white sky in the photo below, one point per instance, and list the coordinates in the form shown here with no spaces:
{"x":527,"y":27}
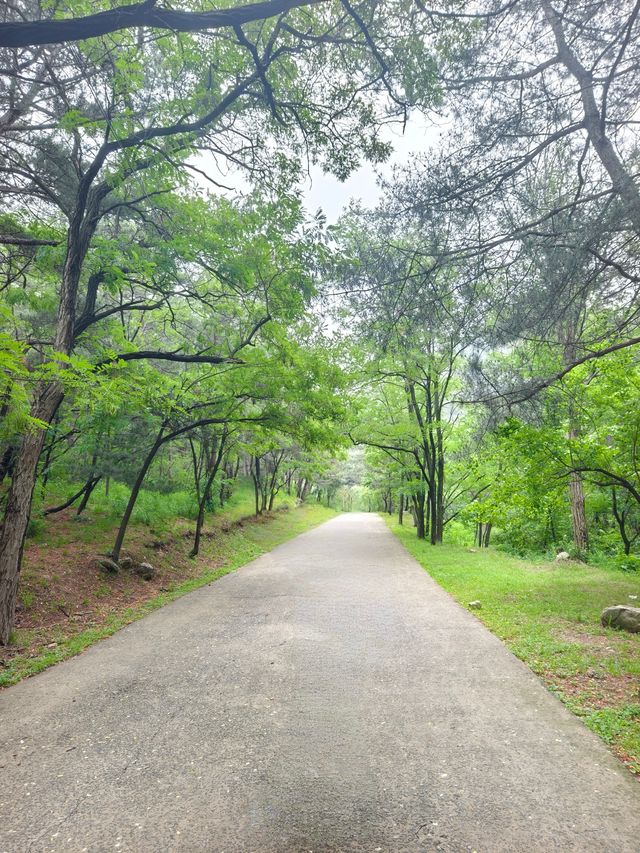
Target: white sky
{"x":327,"y":192}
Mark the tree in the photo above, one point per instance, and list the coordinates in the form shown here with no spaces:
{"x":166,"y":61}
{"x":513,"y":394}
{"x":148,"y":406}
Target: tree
{"x":415,"y":320}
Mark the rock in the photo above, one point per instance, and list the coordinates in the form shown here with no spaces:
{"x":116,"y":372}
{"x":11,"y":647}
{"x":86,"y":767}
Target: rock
{"x":108,"y":566}
{"x":475,"y":605}
{"x":126,"y":563}
{"x":623,"y":617}
{"x":145,"y":571}
{"x":562,"y":556}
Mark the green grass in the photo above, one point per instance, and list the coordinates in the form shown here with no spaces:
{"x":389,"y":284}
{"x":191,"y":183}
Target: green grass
{"x":549,"y":616}
{"x":153,"y":509}
{"x":229,"y":551}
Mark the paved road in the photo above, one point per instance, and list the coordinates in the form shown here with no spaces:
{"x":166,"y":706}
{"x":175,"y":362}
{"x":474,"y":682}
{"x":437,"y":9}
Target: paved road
{"x":328,"y":697}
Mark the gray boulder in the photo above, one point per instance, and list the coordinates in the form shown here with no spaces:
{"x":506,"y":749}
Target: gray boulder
{"x":108,"y":566}
{"x":623,"y":617}
{"x":145,"y":571}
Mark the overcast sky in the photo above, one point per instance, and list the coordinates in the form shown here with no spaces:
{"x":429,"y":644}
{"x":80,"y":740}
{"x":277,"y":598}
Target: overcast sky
{"x":326,"y":192}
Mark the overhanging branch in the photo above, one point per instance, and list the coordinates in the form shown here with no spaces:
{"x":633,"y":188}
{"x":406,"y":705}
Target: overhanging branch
{"x":25,"y":34}
{"x":185,"y":358}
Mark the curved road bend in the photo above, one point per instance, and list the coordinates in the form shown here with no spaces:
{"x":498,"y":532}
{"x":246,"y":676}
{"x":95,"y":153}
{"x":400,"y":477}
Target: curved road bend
{"x":328,"y":697}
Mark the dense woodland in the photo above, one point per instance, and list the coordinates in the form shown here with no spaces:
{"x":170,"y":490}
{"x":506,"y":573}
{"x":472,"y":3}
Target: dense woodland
{"x":172,"y":317}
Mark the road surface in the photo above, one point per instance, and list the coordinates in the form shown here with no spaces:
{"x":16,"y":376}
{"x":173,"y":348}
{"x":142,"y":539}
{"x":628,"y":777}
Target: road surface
{"x":327,"y":697}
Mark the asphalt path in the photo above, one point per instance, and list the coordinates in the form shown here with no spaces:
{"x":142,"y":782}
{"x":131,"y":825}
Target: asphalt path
{"x":327,"y":697}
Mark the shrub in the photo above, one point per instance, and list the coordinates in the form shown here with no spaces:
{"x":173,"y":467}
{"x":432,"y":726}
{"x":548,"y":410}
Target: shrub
{"x":627,"y":562}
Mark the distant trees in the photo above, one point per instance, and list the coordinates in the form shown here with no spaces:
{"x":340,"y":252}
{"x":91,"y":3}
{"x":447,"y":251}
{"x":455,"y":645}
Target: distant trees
{"x":414,"y":320}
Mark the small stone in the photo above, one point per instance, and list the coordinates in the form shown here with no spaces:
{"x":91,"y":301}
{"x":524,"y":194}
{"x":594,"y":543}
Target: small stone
{"x":145,"y":571}
{"x":623,"y":617}
{"x":562,"y":557}
{"x":108,"y":566}
{"x":475,"y":605}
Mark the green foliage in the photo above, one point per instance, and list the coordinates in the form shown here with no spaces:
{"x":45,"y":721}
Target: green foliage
{"x":618,"y":727}
{"x":627,"y":562}
{"x":152,"y":508}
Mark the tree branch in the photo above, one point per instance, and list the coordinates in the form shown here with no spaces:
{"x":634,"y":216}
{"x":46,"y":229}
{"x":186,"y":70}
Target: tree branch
{"x":172,"y":356}
{"x":25,"y":34}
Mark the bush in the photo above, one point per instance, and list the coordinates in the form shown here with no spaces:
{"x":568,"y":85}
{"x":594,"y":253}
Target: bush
{"x":458,"y":533}
{"x":627,"y":563}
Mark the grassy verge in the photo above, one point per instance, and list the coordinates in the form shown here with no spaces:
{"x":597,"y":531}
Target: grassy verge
{"x":549,"y":616}
{"x":67,"y":604}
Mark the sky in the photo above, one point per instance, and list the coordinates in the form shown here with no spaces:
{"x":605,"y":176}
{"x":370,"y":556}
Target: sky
{"x":327,"y":192}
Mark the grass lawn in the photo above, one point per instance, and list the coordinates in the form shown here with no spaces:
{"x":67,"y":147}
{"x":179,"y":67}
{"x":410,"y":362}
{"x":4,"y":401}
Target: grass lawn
{"x":548,"y":615}
{"x":66,"y":603}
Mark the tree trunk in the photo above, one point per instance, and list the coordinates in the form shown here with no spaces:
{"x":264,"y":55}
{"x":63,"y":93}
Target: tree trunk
{"x":87,"y":494}
{"x":87,"y":488}
{"x":7,"y":461}
{"x":255,"y":473}
{"x":46,"y":467}
{"x":18,"y":507}
{"x":620,"y":517}
{"x":578,"y":514}
{"x":47,"y":399}
{"x":419,"y":514}
{"x":439,"y":514}
{"x":92,"y":482}
{"x":576,"y":490}
{"x":433,"y":513}
{"x":204,"y":500}
{"x":595,"y":119}
{"x":135,"y":491}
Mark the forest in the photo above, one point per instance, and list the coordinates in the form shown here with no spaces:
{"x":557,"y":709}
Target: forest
{"x":177,"y":327}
